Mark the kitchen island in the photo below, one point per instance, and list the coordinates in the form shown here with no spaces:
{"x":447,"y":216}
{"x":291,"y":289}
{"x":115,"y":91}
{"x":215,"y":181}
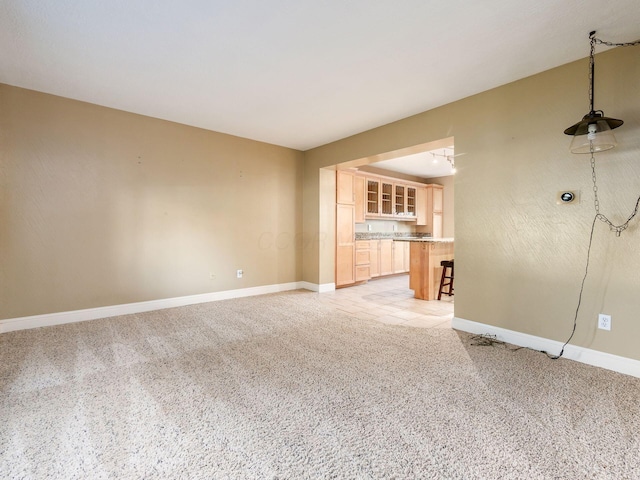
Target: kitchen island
{"x":425,"y":271}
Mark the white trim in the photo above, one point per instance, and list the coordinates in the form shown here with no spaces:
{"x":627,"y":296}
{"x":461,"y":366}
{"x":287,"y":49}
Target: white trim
{"x":320,"y":288}
{"x":327,"y":287}
{"x":596,"y":358}
{"x":36,"y":321}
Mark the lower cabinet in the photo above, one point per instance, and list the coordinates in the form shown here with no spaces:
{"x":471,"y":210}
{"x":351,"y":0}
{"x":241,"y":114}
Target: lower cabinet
{"x":401,"y":257}
{"x":386,"y":256}
{"x":376,"y":258}
{"x":345,"y":250}
{"x":362,"y":260}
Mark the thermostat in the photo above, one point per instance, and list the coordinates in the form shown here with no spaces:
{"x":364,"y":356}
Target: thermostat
{"x":567,"y":197}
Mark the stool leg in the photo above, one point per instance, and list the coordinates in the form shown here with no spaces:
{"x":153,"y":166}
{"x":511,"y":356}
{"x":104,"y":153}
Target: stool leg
{"x":444,"y":269}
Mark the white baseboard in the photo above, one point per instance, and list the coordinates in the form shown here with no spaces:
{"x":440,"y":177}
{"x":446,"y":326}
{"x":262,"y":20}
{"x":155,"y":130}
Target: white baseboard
{"x":320,"y":288}
{"x":49,"y":319}
{"x":616,"y":363}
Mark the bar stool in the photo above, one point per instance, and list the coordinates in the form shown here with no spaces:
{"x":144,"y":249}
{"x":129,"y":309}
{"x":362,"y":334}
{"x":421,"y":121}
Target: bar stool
{"x":446,"y":264}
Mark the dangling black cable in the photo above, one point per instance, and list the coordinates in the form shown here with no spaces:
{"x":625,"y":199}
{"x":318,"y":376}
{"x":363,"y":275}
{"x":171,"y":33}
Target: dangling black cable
{"x":575,"y":318}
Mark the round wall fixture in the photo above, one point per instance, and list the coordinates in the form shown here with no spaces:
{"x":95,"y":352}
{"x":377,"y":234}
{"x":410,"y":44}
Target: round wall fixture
{"x":567,"y":197}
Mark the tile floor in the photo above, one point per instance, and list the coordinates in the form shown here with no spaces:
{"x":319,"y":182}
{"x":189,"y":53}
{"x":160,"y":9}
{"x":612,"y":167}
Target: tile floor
{"x":389,"y":300}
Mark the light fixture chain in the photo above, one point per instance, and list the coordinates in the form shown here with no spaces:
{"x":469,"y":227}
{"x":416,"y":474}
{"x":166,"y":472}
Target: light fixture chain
{"x":611,"y":44}
{"x":591,"y":68}
{"x":596,"y":202}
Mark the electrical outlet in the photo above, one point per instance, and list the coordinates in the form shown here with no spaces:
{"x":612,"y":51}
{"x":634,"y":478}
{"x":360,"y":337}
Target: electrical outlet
{"x":369,"y":227}
{"x":239,"y":273}
{"x":212,"y":276}
{"x":604,"y":322}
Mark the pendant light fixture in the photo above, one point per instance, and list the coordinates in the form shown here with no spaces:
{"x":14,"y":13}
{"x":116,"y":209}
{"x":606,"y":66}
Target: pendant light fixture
{"x":594,"y":132}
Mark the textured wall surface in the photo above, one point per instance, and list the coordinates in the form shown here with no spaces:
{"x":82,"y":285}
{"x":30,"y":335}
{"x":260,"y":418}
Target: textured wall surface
{"x":520,"y":258}
{"x":101,"y":207}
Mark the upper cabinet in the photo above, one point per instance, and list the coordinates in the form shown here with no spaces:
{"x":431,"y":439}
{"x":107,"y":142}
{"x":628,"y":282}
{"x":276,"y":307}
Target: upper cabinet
{"x":391,"y":198}
{"x":359,"y":191}
{"x":378,"y":197}
{"x":434,"y":195}
{"x":345,"y":192}
{"x":373,"y":197}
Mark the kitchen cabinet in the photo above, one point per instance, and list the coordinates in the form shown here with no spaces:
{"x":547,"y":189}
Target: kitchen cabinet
{"x":386,"y":199}
{"x":373,"y":197}
{"x":410,"y":201}
{"x":386,"y":256}
{"x":362,"y":262}
{"x":434,"y":209}
{"x":421,"y":206}
{"x":374,"y":258}
{"x":345,"y":244}
{"x":359,"y":192}
{"x":345,"y":193}
{"x":401,"y":257}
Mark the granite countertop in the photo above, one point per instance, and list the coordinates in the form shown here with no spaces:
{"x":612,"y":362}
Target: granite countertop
{"x":424,"y":239}
{"x":390,"y":235}
{"x":402,"y":237}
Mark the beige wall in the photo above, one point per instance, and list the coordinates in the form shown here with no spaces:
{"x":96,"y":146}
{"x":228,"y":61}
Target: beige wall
{"x":520,"y":257}
{"x":101,"y":207}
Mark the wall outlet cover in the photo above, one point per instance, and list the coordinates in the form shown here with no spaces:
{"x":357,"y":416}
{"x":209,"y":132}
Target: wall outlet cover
{"x":604,"y":322}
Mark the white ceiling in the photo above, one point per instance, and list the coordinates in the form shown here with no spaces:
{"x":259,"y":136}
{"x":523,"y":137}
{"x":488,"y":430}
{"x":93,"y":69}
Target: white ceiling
{"x":297,"y":73}
{"x":433,"y":163}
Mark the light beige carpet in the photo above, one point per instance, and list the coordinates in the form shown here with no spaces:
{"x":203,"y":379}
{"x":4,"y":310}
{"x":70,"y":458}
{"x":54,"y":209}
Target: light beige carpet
{"x":281,"y":386}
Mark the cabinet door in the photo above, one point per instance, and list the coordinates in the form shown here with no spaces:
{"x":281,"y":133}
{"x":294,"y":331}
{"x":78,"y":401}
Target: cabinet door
{"x":386,"y":257}
{"x":421,"y":206}
{"x":344,"y":188}
{"x":411,"y":201}
{"x":407,"y":254}
{"x":399,"y":200}
{"x":436,"y":228}
{"x":438,"y":192}
{"x":359,"y":193}
{"x":398,"y":257}
{"x":374,"y":258}
{"x":373,"y":197}
{"x":386,"y":199}
{"x":345,"y":245}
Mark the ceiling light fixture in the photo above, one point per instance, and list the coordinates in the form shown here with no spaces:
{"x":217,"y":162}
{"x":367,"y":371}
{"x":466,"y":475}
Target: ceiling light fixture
{"x":447,"y":156}
{"x":594,"y":133}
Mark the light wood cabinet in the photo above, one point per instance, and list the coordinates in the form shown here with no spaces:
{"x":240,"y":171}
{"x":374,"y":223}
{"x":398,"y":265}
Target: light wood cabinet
{"x":345,"y":245}
{"x":374,"y":258}
{"x":344,"y":187}
{"x":373,"y":197}
{"x":421,"y":206}
{"x":433,"y":211}
{"x":359,"y":198}
{"x":398,"y":257}
{"x":362,"y":260}
{"x":410,"y":201}
{"x":386,"y":256}
{"x":386,"y":199}
{"x":401,"y":254}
